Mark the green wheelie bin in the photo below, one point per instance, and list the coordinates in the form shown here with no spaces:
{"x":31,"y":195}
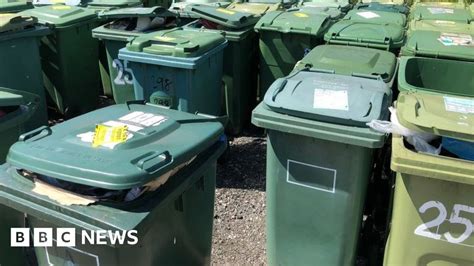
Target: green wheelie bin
{"x":319,"y":160}
{"x":286,"y":37}
{"x":433,"y":210}
{"x":69,"y":57}
{"x":369,"y":28}
{"x":446,"y":13}
{"x":126,"y":23}
{"x":13,"y":6}
{"x":121,"y":168}
{"x":20,"y":66}
{"x":178,"y":68}
{"x":180,"y":7}
{"x":16,"y":107}
{"x":240,"y":70}
{"x":351,"y":61}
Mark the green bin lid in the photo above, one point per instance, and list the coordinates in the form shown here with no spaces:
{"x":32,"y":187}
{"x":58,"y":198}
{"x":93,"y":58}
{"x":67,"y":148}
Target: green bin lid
{"x":441,"y":13}
{"x":135,"y":12}
{"x":351,"y":60}
{"x":341,"y":4}
{"x":255,"y":8}
{"x":114,"y":3}
{"x":388,"y":7}
{"x":14,"y":22}
{"x":376,"y":16}
{"x":60,"y":15}
{"x":14,"y":5}
{"x":176,"y":42}
{"x":441,"y":25}
{"x":440,"y":45}
{"x":373,"y":35}
{"x":295,"y":21}
{"x":329,"y":98}
{"x":443,"y":115}
{"x":10,"y":98}
{"x":158,"y":141}
{"x":225,"y":17}
{"x":60,"y":2}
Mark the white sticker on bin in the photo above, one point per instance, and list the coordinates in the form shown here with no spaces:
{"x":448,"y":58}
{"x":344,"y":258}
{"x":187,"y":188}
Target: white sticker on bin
{"x":144,"y":119}
{"x":440,"y":10}
{"x":459,"y":105}
{"x":455,"y":39}
{"x":368,"y":14}
{"x":331,"y":99}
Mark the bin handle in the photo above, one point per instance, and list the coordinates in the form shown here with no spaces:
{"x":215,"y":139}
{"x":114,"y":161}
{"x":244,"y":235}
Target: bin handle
{"x":36,"y":134}
{"x":155,"y":162}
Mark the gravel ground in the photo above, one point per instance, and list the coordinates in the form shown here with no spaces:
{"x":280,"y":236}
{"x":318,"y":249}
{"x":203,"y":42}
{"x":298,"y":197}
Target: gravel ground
{"x":239,"y":220}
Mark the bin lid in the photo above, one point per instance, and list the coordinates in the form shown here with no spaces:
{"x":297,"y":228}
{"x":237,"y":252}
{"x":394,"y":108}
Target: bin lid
{"x":435,"y":12}
{"x":9,"y":98}
{"x":373,"y":35}
{"x":376,"y":16}
{"x":157,"y":141}
{"x":443,"y":115}
{"x":134,"y":12}
{"x":389,"y":7}
{"x":440,"y":45}
{"x":441,"y":25}
{"x":228,"y":18}
{"x":14,"y":22}
{"x":60,"y":15}
{"x":294,"y":21}
{"x":331,"y":98}
{"x":176,"y":42}
{"x":114,"y":3}
{"x":255,"y":8}
{"x":342,"y":4}
{"x":351,"y":60}
{"x":55,"y":2}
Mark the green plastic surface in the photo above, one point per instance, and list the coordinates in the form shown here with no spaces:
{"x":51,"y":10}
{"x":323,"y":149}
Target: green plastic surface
{"x":442,"y":115}
{"x":12,"y":6}
{"x":442,"y":44}
{"x":316,"y":171}
{"x":255,"y":8}
{"x":285,"y":37}
{"x":350,"y":60}
{"x":173,"y":223}
{"x":162,"y":140}
{"x":228,"y":18}
{"x":376,"y":17}
{"x":239,"y":76}
{"x":16,"y":107}
{"x":366,"y":34}
{"x":397,"y":8}
{"x":179,"y":7}
{"x":19,"y":45}
{"x":176,"y":42}
{"x":343,"y":5}
{"x":61,"y":16}
{"x":429,"y":186}
{"x":440,"y":25}
{"x":329,"y":98}
{"x":434,"y":12}
{"x":136,"y":12}
{"x":113,"y":4}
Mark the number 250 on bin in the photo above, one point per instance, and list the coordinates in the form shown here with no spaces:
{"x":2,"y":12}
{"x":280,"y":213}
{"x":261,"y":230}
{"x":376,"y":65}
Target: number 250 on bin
{"x":455,"y":218}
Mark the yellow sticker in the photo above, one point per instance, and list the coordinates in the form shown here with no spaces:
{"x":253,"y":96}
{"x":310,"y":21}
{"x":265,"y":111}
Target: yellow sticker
{"x":165,"y":39}
{"x":61,"y":7}
{"x":301,"y":15}
{"x":226,"y":11}
{"x":109,"y":135}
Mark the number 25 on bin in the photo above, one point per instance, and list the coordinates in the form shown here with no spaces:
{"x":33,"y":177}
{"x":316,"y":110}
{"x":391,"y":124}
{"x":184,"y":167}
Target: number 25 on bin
{"x":124,"y":75}
{"x":455,"y":218}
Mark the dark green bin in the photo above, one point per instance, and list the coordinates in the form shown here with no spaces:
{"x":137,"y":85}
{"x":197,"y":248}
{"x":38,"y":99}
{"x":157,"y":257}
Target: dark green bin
{"x":12,"y":6}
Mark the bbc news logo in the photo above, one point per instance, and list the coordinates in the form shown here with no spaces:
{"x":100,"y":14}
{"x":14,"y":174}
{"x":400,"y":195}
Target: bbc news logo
{"x":67,"y":237}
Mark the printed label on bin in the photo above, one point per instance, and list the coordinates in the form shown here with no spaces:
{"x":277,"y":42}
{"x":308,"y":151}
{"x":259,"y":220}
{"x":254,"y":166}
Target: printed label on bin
{"x":331,"y":99}
{"x":455,"y":39}
{"x":301,"y":14}
{"x":440,"y":10}
{"x":368,"y":14}
{"x":225,"y":11}
{"x":459,"y":105}
{"x":144,"y":119}
{"x":105,"y":135}
{"x":445,"y":22}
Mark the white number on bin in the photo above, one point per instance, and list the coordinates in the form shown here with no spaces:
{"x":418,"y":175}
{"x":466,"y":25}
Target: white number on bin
{"x":455,"y":218}
{"x":124,"y":75}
